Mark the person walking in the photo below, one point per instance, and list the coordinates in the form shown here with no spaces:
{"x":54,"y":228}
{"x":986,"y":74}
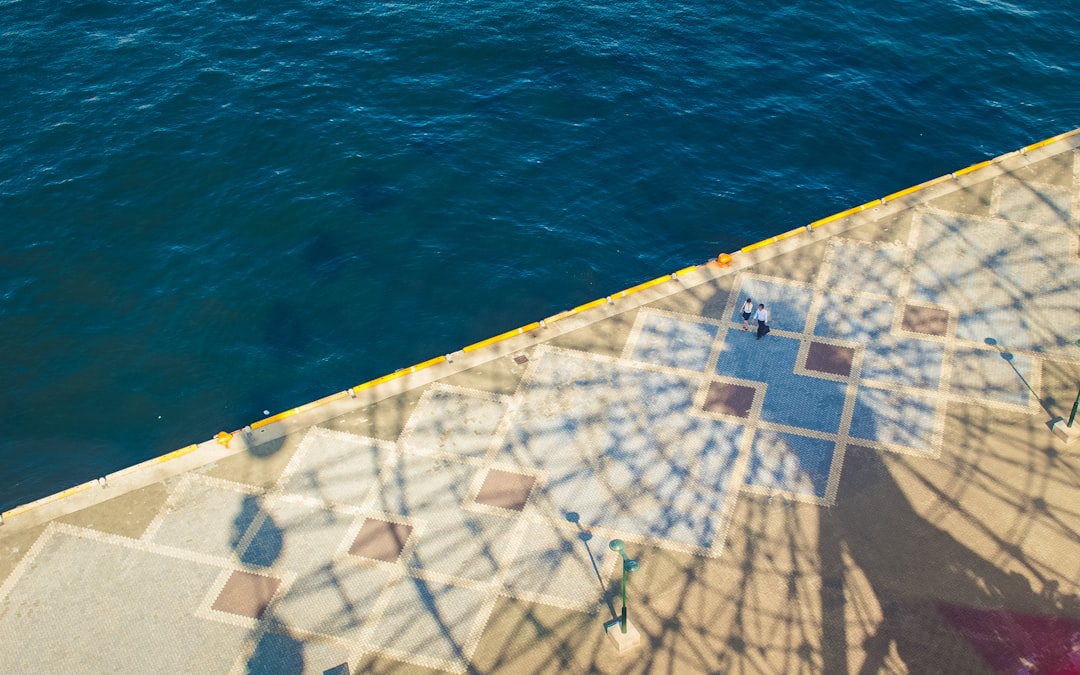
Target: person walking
{"x":762,"y":318}
{"x":747,"y":312}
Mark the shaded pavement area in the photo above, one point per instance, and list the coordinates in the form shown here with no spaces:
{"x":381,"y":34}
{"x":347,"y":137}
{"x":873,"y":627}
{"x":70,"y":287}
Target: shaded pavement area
{"x":871,"y":487}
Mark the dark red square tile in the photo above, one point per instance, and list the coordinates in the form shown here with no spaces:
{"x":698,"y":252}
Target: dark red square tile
{"x":246,"y":594}
{"x":925,"y":320}
{"x":729,"y":399}
{"x":506,"y":490}
{"x":830,"y":359}
{"x":380,"y":540}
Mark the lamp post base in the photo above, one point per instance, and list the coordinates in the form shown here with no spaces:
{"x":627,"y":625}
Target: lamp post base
{"x":1063,"y":431}
{"x":624,"y":642}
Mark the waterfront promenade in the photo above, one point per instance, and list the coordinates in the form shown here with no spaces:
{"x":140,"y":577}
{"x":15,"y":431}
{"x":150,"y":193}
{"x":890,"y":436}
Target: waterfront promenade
{"x":873,"y":486}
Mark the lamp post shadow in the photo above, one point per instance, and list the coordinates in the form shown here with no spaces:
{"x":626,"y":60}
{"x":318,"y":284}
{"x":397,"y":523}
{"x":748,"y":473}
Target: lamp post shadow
{"x":585,"y":536}
{"x":1008,"y":357}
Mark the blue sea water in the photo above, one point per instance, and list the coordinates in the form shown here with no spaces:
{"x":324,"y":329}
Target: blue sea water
{"x":210,"y":209}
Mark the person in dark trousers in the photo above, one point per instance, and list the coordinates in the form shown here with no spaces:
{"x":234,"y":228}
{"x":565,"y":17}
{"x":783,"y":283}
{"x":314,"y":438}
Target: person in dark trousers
{"x":762,"y":318}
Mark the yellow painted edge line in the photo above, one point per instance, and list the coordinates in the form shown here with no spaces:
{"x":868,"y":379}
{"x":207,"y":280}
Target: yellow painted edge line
{"x":761,"y":244}
{"x":174,"y":454}
{"x":790,"y":233}
{"x":920,"y":186}
{"x":48,"y":500}
{"x":559,"y":317}
{"x":843,"y":214}
{"x":590,"y":305}
{"x":273,"y":418}
{"x":378,"y":380}
{"x":89,"y":484}
{"x":973,"y":167}
{"x":915,"y":188}
{"x":150,"y":462}
{"x":492,"y":340}
{"x":648,"y":284}
{"x":429,"y":363}
{"x":325,"y":399}
{"x":1052,"y":139}
{"x":686,"y":270}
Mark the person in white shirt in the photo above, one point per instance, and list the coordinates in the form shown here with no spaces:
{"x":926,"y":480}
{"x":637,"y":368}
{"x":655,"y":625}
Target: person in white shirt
{"x":747,"y":312}
{"x":762,"y":318}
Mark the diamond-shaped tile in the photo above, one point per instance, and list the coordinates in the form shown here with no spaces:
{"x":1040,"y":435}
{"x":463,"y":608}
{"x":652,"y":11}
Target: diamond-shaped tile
{"x":925,"y":320}
{"x":380,"y":540}
{"x":831,"y":359}
{"x":505,"y":489}
{"x":729,"y":399}
{"x":246,"y":594}
{"x":521,"y":359}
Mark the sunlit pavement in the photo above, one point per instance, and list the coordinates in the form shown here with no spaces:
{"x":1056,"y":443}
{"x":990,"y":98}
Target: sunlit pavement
{"x":873,"y":486}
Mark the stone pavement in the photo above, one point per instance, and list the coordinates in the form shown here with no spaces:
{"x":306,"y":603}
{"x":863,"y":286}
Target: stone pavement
{"x":871,"y":487}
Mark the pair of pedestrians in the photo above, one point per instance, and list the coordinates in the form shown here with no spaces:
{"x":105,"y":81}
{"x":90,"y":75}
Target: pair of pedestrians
{"x":761,"y":316}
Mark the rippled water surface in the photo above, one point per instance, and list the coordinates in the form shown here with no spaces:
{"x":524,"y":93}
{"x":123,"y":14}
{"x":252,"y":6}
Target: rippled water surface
{"x":212,"y":209}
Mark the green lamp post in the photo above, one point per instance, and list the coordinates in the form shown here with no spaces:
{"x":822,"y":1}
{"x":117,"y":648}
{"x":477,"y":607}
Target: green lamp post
{"x":1076,"y":403}
{"x":628,"y":566}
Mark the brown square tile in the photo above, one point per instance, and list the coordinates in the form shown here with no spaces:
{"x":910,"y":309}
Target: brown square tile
{"x":520,"y":359}
{"x":925,"y":320}
{"x":380,"y":540}
{"x":830,"y":359}
{"x":246,"y":594}
{"x":729,"y":399}
{"x":506,"y":490}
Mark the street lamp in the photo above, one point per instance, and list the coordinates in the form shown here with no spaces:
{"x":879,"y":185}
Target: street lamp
{"x":1076,"y":403}
{"x":628,"y":566}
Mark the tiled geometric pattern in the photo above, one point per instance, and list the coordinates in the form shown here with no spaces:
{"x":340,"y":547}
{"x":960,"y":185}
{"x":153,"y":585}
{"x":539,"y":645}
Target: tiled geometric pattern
{"x":901,"y":419}
{"x":452,"y":422}
{"x":791,"y":463}
{"x":622,"y":447}
{"x":246,"y":594}
{"x":297,"y":536}
{"x":466,"y":545}
{"x":790,"y":399}
{"x":857,"y":318}
{"x":729,"y":399}
{"x":191,"y":505}
{"x":925,"y":320}
{"x":280,"y":652}
{"x":1007,"y":282}
{"x":830,"y":359}
{"x":505,"y":490}
{"x":986,"y":374}
{"x":423,"y":487}
{"x":334,"y":599}
{"x":428,"y":619}
{"x":69,"y":594}
{"x":335,"y":467}
{"x":902,"y":361}
{"x":679,"y":343}
{"x":380,"y":540}
{"x":865,"y":267}
{"x":788,"y":303}
{"x":1051,"y":206}
{"x":555,"y":565}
